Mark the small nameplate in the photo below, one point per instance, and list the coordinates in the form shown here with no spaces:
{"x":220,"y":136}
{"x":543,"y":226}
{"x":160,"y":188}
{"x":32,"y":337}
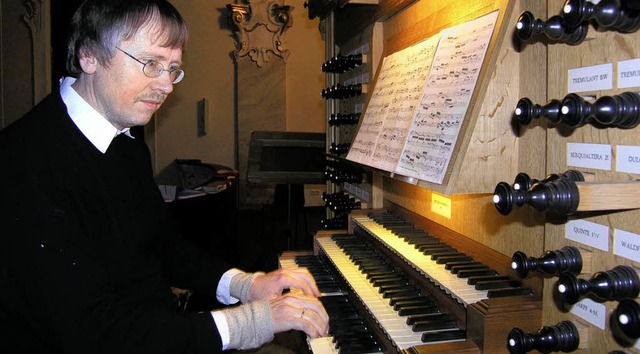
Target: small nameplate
{"x":365,"y":48}
{"x":596,"y":156}
{"x":626,"y":244}
{"x":441,"y":205}
{"x":628,"y":159}
{"x":365,"y":77}
{"x":588,"y":233}
{"x":591,"y":311}
{"x":591,"y":78}
{"x":356,"y":191}
{"x":364,"y":196}
{"x":629,"y":73}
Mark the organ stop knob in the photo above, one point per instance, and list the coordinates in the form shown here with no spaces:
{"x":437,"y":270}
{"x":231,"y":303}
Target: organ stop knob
{"x":523,"y":182}
{"x":526,"y":111}
{"x":607,"y":14}
{"x":618,"y":283}
{"x":625,"y":322}
{"x":567,"y":259}
{"x":554,"y":28}
{"x":560,"y":196}
{"x":562,"y":337}
{"x":622,"y":111}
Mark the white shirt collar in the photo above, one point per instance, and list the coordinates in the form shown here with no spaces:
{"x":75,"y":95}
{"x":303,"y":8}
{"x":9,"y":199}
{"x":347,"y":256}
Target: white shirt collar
{"x":92,"y":124}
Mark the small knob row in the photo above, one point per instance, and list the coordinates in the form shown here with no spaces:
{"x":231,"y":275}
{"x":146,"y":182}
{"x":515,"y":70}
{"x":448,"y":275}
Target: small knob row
{"x":341,"y":202}
{"x":341,"y":175}
{"x":340,"y":91}
{"x":344,"y":119}
{"x":339,"y":221}
{"x":342,"y":63}
{"x":339,"y":148}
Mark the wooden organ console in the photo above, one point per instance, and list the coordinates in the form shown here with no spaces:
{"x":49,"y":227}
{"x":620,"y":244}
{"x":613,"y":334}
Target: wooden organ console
{"x":557,"y":91}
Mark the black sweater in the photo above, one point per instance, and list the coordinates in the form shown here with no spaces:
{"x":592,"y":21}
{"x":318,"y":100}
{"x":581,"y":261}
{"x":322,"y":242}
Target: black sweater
{"x":87,"y":249}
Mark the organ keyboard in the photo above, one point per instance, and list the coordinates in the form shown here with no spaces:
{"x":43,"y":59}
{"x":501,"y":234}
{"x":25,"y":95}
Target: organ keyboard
{"x":412,"y":292}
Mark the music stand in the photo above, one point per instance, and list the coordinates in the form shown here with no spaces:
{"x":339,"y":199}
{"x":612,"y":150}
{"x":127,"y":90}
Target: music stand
{"x":288,"y":158}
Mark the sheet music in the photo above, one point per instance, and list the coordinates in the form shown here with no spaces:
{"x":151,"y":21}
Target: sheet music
{"x":383,"y":129}
{"x":445,"y":100}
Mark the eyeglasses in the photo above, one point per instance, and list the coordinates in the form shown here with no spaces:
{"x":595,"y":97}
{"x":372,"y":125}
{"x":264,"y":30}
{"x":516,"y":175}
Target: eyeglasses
{"x":153,"y":68}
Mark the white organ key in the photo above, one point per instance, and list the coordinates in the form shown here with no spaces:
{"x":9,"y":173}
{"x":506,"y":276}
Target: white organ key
{"x":447,"y":281}
{"x":323,"y":345}
{"x":287,"y":263}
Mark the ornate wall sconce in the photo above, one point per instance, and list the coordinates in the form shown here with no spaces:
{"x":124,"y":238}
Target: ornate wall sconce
{"x":259,"y":26}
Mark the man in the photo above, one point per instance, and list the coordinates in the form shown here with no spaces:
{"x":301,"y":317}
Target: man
{"x":87,"y":252}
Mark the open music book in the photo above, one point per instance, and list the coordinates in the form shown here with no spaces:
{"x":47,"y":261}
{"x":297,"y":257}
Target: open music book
{"x":421,"y":96}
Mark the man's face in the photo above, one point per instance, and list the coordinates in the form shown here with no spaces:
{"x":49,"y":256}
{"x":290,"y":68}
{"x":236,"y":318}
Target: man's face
{"x":122,"y":93}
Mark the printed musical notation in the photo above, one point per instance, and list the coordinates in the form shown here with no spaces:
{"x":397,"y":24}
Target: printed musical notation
{"x":420,"y":101}
{"x":390,"y":110}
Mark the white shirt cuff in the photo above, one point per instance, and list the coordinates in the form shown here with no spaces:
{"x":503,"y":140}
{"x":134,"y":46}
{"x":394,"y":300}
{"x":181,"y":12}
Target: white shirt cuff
{"x":222,"y":291}
{"x":223,"y":327}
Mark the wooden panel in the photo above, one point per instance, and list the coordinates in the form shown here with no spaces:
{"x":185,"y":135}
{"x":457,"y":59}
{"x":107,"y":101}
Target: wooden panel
{"x":353,"y":19}
{"x":601,"y":47}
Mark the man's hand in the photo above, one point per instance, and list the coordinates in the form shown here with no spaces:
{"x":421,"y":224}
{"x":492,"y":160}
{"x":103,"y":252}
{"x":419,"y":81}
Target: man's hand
{"x":272,"y":284}
{"x":299,"y":312}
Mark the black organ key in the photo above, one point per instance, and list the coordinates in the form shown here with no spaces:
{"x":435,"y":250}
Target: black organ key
{"x":383,"y":276}
{"x":417,"y":310}
{"x":402,"y":286}
{"x":425,"y":240}
{"x":451,"y":265}
{"x":445,"y":322}
{"x":376,"y":269}
{"x":474,"y":279}
{"x":438,"y":336}
{"x":447,"y":253}
{"x":508,"y":292}
{"x":379,"y":274}
{"x":398,"y":299}
{"x":363,"y":349}
{"x":399,"y":304}
{"x":418,"y":242}
{"x":474,"y":272}
{"x":357,"y":346}
{"x":469,"y":266}
{"x":458,"y":258}
{"x":496,"y":284}
{"x":426,"y":317}
{"x":409,"y":290}
{"x":344,"y":339}
{"x":399,"y":226}
{"x":389,"y":282}
{"x":435,"y":248}
{"x":414,"y":235}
